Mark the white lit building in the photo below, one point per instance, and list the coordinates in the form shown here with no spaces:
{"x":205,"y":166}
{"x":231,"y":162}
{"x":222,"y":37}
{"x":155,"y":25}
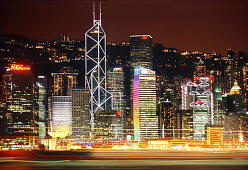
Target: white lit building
{"x":202,"y":105}
{"x":59,"y":116}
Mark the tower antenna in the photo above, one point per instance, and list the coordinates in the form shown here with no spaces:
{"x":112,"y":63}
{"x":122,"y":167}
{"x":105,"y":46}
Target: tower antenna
{"x":100,"y":12}
{"x":94,"y":17}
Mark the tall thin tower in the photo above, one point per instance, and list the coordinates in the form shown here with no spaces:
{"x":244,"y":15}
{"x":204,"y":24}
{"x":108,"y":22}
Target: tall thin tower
{"x":95,"y":66}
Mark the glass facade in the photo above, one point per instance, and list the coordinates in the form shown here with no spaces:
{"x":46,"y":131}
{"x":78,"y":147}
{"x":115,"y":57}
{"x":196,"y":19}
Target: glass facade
{"x":80,"y":113}
{"x":42,"y":104}
{"x":115,"y":85}
{"x":19,"y":117}
{"x":202,"y":105}
{"x":59,"y":116}
{"x":63,"y":80}
{"x":145,"y":118}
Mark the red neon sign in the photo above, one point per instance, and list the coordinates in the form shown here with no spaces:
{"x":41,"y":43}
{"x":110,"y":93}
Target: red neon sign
{"x":144,"y":37}
{"x":18,"y":67}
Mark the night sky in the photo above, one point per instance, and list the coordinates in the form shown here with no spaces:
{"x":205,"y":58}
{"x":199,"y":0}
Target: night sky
{"x":205,"y":25}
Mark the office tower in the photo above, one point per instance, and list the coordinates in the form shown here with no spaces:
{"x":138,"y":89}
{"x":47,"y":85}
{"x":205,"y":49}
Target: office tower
{"x":233,"y":127}
{"x":187,"y":124}
{"x":183,"y":124}
{"x":166,"y":113}
{"x":80,"y":113}
{"x":19,"y":116}
{"x":63,"y":80}
{"x":233,"y":102}
{"x":141,"y":51}
{"x":186,"y":97}
{"x":217,"y":88}
{"x":145,"y":119}
{"x":108,"y":124}
{"x":118,"y":55}
{"x":245,"y":85}
{"x":41,"y":84}
{"x":115,"y":85}
{"x":95,"y":66}
{"x":215,"y":135}
{"x":202,"y":105}
{"x":140,"y":54}
{"x":177,"y":81}
{"x":230,"y":70}
{"x":59,"y":116}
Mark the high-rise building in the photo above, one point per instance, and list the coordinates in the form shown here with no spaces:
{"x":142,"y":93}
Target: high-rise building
{"x":186,"y":97}
{"x":183,"y":124}
{"x":141,"y":51}
{"x":19,"y":116}
{"x":41,"y":84}
{"x":59,"y":116}
{"x":245,"y":85}
{"x":202,"y":106}
{"x":95,"y":66}
{"x":233,"y":127}
{"x":63,"y":80}
{"x":115,"y":85}
{"x":229,"y":71}
{"x":217,"y":89}
{"x":140,"y":55}
{"x":80,"y":113}
{"x":233,"y":102}
{"x":108,"y":125}
{"x":145,"y":118}
{"x":166,"y":113}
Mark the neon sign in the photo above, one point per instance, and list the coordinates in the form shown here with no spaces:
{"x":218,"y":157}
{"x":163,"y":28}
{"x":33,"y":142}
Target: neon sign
{"x":18,"y":67}
{"x":144,"y":37}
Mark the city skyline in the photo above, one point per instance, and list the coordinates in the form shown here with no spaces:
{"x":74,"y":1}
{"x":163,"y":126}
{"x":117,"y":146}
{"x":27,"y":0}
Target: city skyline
{"x":84,"y":103}
{"x":192,"y":25}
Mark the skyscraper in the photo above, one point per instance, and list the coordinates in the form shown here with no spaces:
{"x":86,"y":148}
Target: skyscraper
{"x":108,"y":124}
{"x":20,"y":118}
{"x":95,"y":66}
{"x":245,"y":85}
{"x":41,"y":84}
{"x":80,"y":113}
{"x":63,"y":80}
{"x":115,"y":85}
{"x":141,"y":51}
{"x":140,"y":55}
{"x":59,"y":116}
{"x":202,"y":105}
{"x":145,"y":118}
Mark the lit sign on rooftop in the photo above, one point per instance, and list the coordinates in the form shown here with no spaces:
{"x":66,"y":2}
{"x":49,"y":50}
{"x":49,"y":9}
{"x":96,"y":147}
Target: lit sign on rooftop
{"x":18,"y":67}
{"x":144,"y":37}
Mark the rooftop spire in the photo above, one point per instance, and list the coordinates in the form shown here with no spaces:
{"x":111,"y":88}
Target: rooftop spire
{"x":94,"y":13}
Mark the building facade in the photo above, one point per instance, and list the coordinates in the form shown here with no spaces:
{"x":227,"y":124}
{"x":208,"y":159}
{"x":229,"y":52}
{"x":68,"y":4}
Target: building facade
{"x":80,"y":113}
{"x":145,"y":118}
{"x":63,"y":80}
{"x":59,"y":116}
{"x":19,"y":116}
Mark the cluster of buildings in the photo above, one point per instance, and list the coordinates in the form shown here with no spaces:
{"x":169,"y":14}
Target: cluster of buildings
{"x":144,"y":92}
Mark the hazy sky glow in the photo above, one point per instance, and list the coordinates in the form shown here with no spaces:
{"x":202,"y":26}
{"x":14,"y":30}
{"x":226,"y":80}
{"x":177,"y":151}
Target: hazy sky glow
{"x":205,"y":25}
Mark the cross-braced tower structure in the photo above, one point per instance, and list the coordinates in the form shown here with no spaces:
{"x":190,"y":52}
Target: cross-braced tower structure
{"x":202,"y":105}
{"x":95,"y":66}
